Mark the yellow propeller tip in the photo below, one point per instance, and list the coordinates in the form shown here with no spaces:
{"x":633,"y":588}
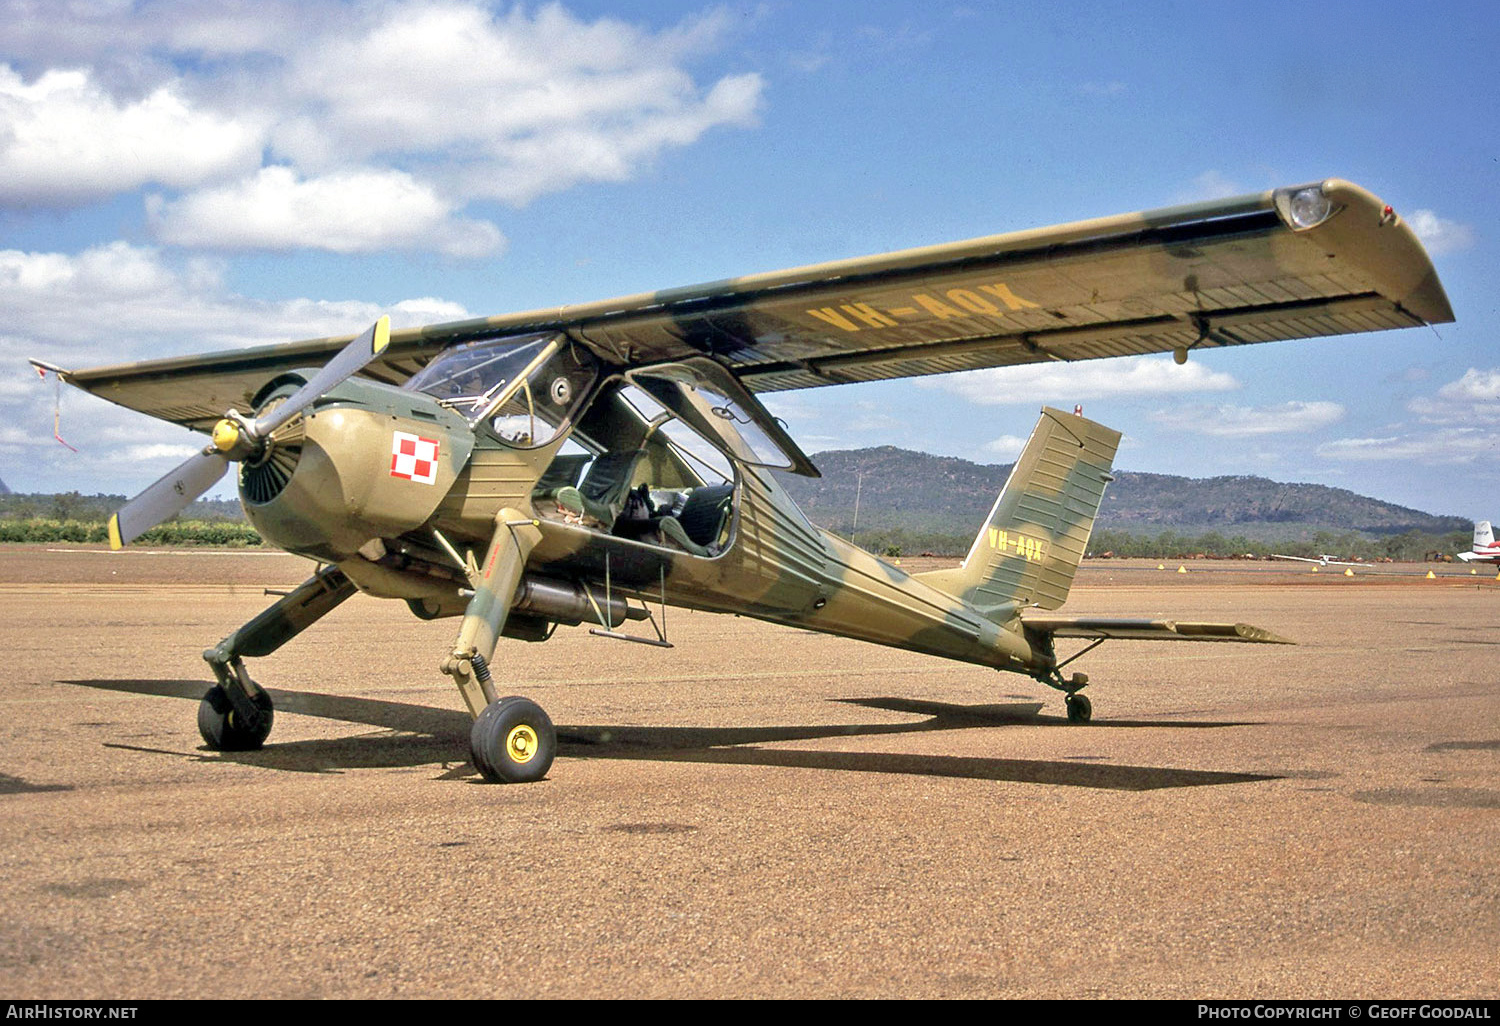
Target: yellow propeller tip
{"x":382,"y":334}
{"x":114,"y":533}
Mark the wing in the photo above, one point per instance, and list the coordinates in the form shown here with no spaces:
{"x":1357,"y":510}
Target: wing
{"x":1323,"y":259}
{"x":1109,"y":627}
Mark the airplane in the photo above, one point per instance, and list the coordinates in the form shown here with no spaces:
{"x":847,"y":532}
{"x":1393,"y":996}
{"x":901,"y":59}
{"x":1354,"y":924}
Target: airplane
{"x":1323,"y":559}
{"x":580,"y":464}
{"x":1486,"y":549}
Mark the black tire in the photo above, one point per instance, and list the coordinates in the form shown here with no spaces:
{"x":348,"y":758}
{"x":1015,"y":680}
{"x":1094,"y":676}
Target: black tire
{"x":1080,"y":709}
{"x":220,"y":726}
{"x":513,"y":741}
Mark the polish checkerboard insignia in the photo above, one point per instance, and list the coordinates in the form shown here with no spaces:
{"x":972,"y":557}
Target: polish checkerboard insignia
{"x":414,"y":457}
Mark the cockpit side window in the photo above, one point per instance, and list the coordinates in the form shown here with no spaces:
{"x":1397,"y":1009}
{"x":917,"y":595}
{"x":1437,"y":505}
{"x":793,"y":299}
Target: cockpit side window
{"x":706,"y":396}
{"x":673,"y":445}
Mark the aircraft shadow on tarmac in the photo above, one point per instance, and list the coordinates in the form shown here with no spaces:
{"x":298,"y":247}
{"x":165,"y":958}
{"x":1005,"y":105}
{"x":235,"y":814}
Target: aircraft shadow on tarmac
{"x":424,"y":735}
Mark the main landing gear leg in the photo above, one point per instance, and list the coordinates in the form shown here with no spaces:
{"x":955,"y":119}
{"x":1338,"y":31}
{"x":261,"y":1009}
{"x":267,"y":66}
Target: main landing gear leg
{"x":512,"y":740}
{"x":1080,"y":709}
{"x":236,"y":715}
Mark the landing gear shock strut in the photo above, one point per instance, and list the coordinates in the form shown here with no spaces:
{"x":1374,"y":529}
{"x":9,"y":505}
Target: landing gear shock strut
{"x":512,"y":740}
{"x":236,"y":715}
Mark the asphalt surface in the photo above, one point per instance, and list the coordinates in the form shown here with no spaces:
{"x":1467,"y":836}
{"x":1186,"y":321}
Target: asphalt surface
{"x":757,"y":812}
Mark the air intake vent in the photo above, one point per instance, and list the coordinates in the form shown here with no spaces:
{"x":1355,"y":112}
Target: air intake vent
{"x":262,"y":482}
{"x":262,"y":479}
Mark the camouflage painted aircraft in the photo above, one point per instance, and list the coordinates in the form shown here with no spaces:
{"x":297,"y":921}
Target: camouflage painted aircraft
{"x":577,"y":465}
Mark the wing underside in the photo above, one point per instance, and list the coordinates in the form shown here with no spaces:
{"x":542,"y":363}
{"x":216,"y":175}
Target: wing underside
{"x":1227,"y":273}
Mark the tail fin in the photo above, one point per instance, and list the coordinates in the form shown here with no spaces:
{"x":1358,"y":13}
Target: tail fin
{"x":1483,"y":535}
{"x":1027,"y":552}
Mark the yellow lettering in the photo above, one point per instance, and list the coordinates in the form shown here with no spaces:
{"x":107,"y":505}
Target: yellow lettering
{"x":831,"y":316}
{"x":1017,"y":544}
{"x":1002,"y":291}
{"x":871,"y":316}
{"x":935,"y":307}
{"x":972,"y":301}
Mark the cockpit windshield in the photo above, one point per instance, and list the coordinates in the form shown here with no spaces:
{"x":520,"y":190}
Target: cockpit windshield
{"x":522,"y":390}
{"x":468,"y":378}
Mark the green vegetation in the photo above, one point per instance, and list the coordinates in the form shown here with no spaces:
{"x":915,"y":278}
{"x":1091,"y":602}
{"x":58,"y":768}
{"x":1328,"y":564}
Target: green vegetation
{"x":84,"y":519}
{"x":1410,"y":546}
{"x":174,"y":532}
{"x":91,"y":509}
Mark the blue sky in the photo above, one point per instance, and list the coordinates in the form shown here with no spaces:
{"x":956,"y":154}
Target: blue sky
{"x":196,"y":176}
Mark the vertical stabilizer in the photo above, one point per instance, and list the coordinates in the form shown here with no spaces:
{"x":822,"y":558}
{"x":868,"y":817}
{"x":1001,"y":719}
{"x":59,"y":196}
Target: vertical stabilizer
{"x":1484,"y":536}
{"x":1029,"y":549}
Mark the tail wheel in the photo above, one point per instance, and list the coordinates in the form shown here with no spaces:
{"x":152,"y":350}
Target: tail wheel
{"x":222,"y":728}
{"x":513,"y":741}
{"x":1080,"y":709}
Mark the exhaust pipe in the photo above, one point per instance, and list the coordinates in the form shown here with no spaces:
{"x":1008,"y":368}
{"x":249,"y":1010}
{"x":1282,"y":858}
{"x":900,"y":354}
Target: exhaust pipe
{"x":572,"y":604}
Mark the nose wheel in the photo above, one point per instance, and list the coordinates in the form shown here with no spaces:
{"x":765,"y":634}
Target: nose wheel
{"x":512,"y":741}
{"x":226,"y":730}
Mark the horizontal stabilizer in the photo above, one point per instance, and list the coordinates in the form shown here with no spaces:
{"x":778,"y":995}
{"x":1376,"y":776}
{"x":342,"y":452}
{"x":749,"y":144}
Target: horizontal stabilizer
{"x":1092,"y":627}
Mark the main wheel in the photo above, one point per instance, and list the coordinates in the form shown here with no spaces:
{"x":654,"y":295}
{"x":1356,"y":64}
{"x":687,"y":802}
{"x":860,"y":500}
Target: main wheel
{"x":512,"y":741}
{"x":1080,"y":709}
{"x":221,"y":726}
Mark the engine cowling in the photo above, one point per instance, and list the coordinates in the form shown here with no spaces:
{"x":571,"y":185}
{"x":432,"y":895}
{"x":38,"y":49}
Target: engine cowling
{"x":364,"y":461}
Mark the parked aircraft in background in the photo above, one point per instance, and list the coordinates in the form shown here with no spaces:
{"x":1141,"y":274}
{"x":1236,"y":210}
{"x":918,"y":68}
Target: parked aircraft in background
{"x":1323,"y":559}
{"x":1486,"y":549}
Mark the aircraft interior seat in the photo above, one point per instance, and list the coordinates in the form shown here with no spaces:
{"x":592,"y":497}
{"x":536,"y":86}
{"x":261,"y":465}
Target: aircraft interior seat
{"x":562,"y":472}
{"x":602,"y":491}
{"x":696,"y":528}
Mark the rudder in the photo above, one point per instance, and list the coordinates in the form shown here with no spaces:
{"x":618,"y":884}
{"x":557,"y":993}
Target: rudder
{"x":1030,"y":547}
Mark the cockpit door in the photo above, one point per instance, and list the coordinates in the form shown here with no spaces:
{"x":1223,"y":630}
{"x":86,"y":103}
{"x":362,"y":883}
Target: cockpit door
{"x":714,"y":403}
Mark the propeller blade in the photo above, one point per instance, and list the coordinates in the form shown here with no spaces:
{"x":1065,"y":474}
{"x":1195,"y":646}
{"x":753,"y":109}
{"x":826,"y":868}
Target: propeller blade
{"x":167,"y":497}
{"x":349,"y":362}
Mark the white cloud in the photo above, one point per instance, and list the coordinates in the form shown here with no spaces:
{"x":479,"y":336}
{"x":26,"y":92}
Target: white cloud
{"x":413,"y":107}
{"x":1474,"y":386}
{"x":64,"y":140}
{"x":158,"y":452}
{"x":117,"y":303}
{"x":1226,"y":421}
{"x":1439,"y":234}
{"x":1448,"y":446}
{"x":343,"y":212}
{"x":121,"y":302}
{"x":1472,"y":399}
{"x":1007,"y":447}
{"x":1073,"y":382}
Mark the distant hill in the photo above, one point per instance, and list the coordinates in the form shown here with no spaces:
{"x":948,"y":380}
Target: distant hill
{"x":4,"y":490}
{"x":913,"y":491}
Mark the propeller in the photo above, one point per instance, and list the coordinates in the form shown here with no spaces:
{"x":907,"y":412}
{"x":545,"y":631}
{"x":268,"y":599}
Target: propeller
{"x":235,"y":439}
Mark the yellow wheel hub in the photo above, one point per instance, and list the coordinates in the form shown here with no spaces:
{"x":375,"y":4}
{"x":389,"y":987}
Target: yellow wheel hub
{"x":521,"y":743}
